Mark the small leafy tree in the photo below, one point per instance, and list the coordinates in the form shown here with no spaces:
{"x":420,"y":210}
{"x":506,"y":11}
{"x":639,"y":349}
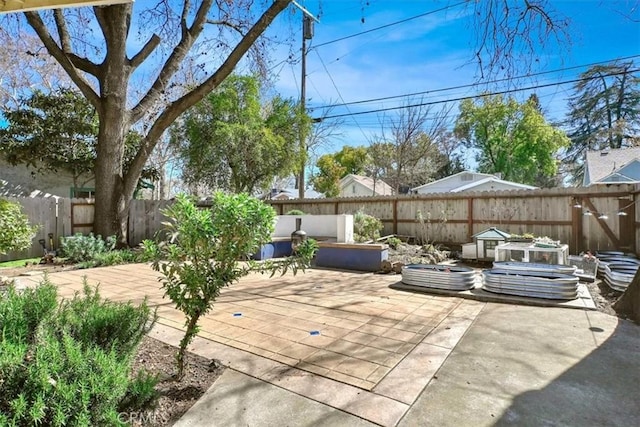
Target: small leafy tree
{"x":204,"y":248}
{"x":15,"y":232}
{"x":366,"y":227}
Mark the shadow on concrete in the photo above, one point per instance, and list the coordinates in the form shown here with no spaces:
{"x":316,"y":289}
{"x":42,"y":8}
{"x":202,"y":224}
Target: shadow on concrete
{"x":602,"y":389}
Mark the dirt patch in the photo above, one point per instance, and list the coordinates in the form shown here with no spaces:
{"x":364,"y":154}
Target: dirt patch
{"x":416,"y":254}
{"x":176,"y":397}
{"x":603,"y":296}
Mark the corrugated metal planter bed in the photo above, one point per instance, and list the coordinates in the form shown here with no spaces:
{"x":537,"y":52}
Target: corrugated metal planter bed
{"x":439,"y":276}
{"x":618,"y":275}
{"x":619,"y":260}
{"x":518,"y":267}
{"x":547,"y":285}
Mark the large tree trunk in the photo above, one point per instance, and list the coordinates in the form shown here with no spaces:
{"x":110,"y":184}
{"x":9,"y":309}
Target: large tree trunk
{"x":112,"y":204}
{"x":629,"y":303}
{"x":112,"y":198}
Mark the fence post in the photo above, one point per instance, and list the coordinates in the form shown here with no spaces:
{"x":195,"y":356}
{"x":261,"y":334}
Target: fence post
{"x":469,"y":218}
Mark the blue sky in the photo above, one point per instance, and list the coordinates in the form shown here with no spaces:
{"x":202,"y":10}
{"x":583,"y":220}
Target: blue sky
{"x":432,"y":52}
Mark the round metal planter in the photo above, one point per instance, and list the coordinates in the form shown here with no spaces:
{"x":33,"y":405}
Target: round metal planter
{"x":518,"y":267}
{"x":547,"y":285}
{"x":439,"y":276}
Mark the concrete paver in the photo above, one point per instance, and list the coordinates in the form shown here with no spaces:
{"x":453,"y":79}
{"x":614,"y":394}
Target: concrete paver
{"x":238,"y":400}
{"x":519,"y":365}
{"x":393,"y":357}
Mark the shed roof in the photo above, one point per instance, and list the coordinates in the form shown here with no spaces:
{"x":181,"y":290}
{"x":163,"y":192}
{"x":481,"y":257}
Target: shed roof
{"x":492,"y":234}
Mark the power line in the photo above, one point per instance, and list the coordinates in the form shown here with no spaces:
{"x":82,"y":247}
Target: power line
{"x":386,"y":98}
{"x":502,"y":92}
{"x":339,"y":94}
{"x":390,"y":24}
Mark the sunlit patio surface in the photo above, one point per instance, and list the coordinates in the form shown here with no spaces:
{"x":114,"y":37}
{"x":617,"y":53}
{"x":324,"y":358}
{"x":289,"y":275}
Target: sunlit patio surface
{"x":344,"y":326}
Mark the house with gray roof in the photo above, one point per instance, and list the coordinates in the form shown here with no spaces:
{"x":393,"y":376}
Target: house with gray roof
{"x":469,"y":181}
{"x":357,"y":186}
{"x":612,"y":166}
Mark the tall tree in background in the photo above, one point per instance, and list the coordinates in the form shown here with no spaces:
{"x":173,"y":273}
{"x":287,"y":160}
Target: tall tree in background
{"x":230,"y":141}
{"x":333,"y":167}
{"x":604,"y":112}
{"x":327,"y":180}
{"x":406,"y":151}
{"x":26,"y":68}
{"x":91,"y":45}
{"x":510,"y":138}
{"x":450,"y":159}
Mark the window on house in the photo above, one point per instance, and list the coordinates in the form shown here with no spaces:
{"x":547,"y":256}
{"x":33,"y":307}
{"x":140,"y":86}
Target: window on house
{"x":83,"y":193}
{"x":490,"y":244}
{"x":466,"y":177}
{"x":353,"y":189}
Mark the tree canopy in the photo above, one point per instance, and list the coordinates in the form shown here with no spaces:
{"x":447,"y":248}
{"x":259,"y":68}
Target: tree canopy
{"x":604,"y":112}
{"x":511,"y":138}
{"x":54,"y":132}
{"x":58,"y":131}
{"x":231,"y":141}
{"x":333,"y":167}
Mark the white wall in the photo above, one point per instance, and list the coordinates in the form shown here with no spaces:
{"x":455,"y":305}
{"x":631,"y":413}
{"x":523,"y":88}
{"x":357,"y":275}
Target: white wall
{"x":339,"y":227}
{"x":17,"y":181}
{"x":360,"y":190}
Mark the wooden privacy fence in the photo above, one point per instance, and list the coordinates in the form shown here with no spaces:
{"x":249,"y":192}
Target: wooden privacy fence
{"x":450,"y":218}
{"x":60,"y":217}
{"x":453,"y":218}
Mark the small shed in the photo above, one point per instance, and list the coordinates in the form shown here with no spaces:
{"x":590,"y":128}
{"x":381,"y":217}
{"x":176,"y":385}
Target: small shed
{"x":484,"y":244}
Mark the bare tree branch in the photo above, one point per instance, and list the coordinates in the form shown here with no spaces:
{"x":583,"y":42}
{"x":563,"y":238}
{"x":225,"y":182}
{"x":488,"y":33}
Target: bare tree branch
{"x":226,"y":24}
{"x":144,"y":53}
{"x":510,"y":34}
{"x":35,"y":21}
{"x":189,"y":35}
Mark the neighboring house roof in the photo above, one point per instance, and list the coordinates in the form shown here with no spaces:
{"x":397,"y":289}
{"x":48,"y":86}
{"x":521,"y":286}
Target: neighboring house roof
{"x":290,"y":193}
{"x":465,"y":181}
{"x":454,"y":179}
{"x":491,"y":234}
{"x":378,"y":186}
{"x":496,"y":180}
{"x":612,"y":165}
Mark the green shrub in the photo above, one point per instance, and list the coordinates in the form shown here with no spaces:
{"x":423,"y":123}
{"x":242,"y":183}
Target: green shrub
{"x":15,"y":232}
{"x":295,"y":212}
{"x":141,"y":393}
{"x":394,"y":242}
{"x":366,"y":227}
{"x":70,"y":364}
{"x":211,"y":241}
{"x":149,"y":251}
{"x":80,"y":248}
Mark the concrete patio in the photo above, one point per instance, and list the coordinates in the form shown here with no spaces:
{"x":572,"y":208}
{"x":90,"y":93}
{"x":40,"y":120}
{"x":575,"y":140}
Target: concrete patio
{"x":330,"y":347}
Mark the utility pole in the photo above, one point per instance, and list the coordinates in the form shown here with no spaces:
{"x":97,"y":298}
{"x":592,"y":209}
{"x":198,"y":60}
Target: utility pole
{"x":307,"y":34}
